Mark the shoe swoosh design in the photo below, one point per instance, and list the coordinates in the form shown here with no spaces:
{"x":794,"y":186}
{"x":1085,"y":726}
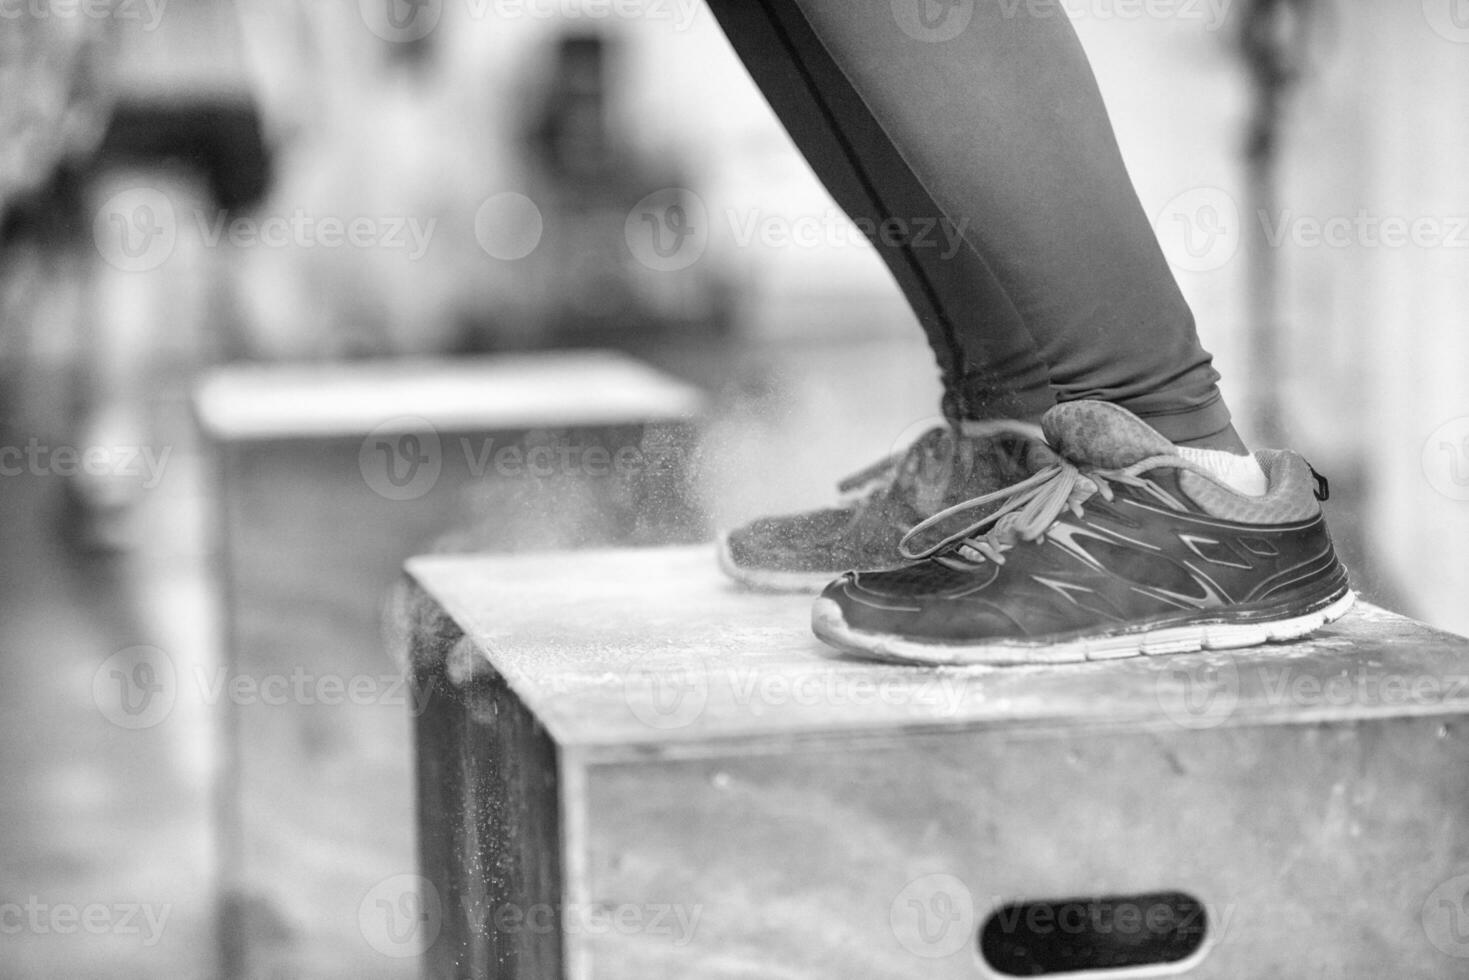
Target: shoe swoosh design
{"x":1078,"y":555}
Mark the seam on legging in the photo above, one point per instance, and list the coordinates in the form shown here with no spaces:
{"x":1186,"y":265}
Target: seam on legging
{"x":1209,"y":402}
{"x":946,"y":326}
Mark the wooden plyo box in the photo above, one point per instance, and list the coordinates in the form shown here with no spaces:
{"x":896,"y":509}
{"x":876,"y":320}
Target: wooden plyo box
{"x":629,"y":768}
{"x":329,"y":476}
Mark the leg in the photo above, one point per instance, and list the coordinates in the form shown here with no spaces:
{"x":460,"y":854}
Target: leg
{"x":989,"y":364}
{"x":1004,"y":126}
{"x":1123,"y":544}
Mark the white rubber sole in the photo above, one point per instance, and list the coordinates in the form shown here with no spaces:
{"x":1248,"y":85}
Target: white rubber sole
{"x":828,"y":623}
{"x":766,"y":580}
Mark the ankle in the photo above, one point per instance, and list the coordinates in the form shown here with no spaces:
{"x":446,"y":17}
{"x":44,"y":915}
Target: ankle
{"x":1225,"y":440}
{"x":1242,"y":473}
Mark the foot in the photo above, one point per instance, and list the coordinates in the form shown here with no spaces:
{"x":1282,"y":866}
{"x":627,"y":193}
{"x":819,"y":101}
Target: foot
{"x":1121,"y":547}
{"x":803,"y":552}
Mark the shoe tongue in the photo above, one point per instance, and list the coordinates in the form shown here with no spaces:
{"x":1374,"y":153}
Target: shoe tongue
{"x":1102,"y":435}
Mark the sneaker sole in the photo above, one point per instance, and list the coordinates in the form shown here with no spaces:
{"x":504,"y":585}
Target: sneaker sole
{"x":829,"y":624}
{"x":771,"y":580}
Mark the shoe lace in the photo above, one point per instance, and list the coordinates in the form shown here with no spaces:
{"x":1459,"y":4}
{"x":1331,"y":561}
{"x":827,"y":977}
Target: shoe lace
{"x":1026,"y":511}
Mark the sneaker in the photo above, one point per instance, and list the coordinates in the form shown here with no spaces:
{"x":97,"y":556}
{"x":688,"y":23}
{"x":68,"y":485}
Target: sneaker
{"x":1120,"y":547}
{"x":803,"y":552}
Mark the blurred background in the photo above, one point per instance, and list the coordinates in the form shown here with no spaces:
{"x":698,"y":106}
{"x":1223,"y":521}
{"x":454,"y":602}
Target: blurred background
{"x":292,"y":193}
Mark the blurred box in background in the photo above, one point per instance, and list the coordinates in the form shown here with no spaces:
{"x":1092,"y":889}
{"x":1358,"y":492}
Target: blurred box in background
{"x":329,"y":478}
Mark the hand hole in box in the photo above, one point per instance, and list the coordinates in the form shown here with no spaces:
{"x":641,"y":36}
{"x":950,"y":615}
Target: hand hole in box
{"x":1120,"y":936}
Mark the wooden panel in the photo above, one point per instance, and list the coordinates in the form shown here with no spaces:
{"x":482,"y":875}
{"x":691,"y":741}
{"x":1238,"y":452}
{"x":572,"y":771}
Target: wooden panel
{"x":600,"y":645}
{"x":489,"y":838}
{"x":1314,"y":848}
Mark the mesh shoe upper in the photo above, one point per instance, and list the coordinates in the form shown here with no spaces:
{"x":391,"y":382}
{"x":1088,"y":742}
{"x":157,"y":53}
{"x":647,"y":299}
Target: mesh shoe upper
{"x":887,"y":499}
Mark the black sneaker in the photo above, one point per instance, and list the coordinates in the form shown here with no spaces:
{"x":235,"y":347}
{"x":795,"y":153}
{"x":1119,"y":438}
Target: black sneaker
{"x":1121,"y":547}
{"x":803,"y":552}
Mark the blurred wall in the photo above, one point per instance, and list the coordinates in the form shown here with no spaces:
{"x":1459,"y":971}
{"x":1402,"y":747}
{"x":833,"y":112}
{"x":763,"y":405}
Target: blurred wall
{"x":1413,"y":295}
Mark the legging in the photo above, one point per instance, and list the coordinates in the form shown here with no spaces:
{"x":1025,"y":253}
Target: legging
{"x":930,"y":119}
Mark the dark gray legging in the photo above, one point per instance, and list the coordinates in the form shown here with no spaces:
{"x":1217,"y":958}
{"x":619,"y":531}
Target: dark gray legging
{"x":991,"y":127}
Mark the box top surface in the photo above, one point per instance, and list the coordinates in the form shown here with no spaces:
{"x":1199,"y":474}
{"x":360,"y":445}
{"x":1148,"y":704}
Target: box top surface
{"x":655,"y":648}
{"x":503,"y":392}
